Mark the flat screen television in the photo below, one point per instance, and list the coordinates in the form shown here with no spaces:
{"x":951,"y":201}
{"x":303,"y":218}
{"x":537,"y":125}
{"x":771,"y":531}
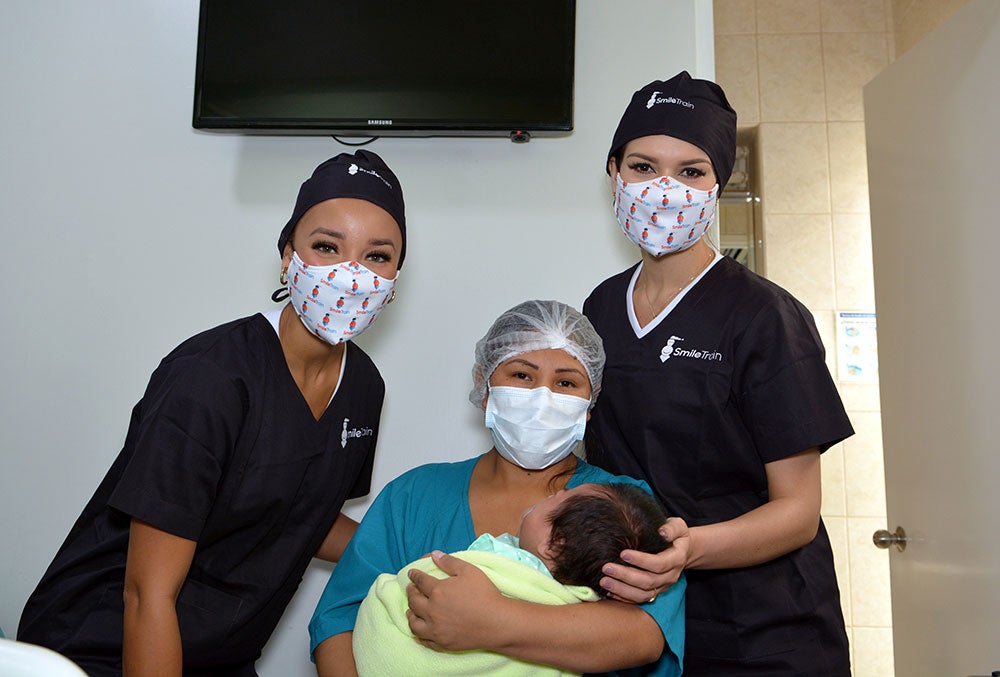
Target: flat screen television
{"x":386,"y":67}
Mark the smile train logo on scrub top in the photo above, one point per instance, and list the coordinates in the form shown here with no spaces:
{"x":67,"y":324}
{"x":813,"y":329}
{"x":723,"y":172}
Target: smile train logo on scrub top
{"x":345,"y":434}
{"x":669,"y":350}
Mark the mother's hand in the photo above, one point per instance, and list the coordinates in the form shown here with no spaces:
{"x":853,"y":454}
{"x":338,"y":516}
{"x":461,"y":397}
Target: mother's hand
{"x":453,"y":613}
{"x":649,"y":574}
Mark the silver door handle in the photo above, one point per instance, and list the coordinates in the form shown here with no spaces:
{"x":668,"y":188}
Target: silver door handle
{"x":884,"y":539}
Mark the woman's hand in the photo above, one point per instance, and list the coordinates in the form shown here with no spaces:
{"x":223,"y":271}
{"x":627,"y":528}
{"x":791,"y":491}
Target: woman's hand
{"x":649,"y":574}
{"x":451,"y":613}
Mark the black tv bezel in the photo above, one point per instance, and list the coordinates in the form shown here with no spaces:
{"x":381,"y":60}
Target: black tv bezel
{"x":299,"y":126}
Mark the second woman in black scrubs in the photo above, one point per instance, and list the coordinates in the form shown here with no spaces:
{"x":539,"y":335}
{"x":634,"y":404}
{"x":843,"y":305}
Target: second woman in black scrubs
{"x":716,"y":392}
{"x":238,"y":458}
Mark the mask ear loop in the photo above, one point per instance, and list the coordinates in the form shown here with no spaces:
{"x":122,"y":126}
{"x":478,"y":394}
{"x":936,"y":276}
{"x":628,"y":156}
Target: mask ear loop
{"x":281,"y":293}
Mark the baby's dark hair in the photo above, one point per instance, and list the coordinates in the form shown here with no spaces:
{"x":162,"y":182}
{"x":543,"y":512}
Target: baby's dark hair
{"x":589,"y":530}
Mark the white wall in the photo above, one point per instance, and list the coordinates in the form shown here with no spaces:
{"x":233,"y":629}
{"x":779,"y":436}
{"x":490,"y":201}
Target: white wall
{"x":127,"y":231}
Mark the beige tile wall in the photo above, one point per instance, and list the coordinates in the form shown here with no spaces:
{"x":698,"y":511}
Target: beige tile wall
{"x":913,"y":19}
{"x":795,"y":70}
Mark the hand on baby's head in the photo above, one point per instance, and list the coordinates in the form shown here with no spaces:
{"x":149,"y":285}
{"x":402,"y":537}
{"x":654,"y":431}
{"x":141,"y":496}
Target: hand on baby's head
{"x":591,"y":528}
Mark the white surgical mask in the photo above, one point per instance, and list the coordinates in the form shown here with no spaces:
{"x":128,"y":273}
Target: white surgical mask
{"x":338,"y":302}
{"x":534,"y":427}
{"x":663,"y":215}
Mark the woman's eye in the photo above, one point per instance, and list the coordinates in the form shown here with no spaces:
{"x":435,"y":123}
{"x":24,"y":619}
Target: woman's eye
{"x":692,"y":173}
{"x":641,"y":167}
{"x":566,"y":383}
{"x":379,"y":257}
{"x":324,"y":247}
{"x":520,"y":375}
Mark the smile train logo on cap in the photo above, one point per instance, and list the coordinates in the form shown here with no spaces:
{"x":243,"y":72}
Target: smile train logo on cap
{"x":658,"y":97}
{"x":354,"y":169}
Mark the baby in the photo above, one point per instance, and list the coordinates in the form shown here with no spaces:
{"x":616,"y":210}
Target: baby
{"x":556,"y":558}
{"x":576,"y":531}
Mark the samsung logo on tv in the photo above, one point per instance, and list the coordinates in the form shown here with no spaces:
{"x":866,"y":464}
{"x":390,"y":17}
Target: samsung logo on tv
{"x":380,"y":122}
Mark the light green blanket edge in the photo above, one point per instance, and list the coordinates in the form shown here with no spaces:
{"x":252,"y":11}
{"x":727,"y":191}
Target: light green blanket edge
{"x":384,"y":645}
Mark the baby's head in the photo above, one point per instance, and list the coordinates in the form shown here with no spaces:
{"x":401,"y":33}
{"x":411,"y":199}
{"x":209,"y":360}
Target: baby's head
{"x":576,"y":531}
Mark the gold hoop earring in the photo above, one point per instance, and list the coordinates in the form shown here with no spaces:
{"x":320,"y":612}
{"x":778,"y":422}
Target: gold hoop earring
{"x":283,"y":277}
{"x":392,"y":297}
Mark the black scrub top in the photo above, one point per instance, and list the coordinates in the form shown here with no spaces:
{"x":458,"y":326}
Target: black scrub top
{"x":224,"y":450}
{"x":732,"y":378}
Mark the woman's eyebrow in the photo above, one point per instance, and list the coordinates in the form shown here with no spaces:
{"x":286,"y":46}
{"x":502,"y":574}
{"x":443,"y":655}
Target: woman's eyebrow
{"x":521,"y":360}
{"x":326,"y":231}
{"x":696,"y":161}
{"x":574,"y":370}
{"x":377,"y":242}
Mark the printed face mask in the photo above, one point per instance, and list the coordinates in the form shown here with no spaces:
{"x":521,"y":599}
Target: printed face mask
{"x":338,"y":302}
{"x":534,"y":427}
{"x":663,"y":215}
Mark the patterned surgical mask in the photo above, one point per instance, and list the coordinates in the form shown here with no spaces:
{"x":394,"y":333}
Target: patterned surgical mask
{"x":663,"y":215}
{"x":534,"y":427}
{"x":338,"y":302}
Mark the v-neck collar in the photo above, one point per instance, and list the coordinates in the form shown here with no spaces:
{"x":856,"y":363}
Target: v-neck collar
{"x":641,"y":331}
{"x":273,"y":318}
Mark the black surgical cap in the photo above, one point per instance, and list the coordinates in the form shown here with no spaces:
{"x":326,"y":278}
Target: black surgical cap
{"x":692,"y":110}
{"x":362,"y":175}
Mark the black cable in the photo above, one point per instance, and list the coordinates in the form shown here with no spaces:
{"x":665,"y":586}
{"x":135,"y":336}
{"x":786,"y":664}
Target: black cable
{"x":363,"y":143}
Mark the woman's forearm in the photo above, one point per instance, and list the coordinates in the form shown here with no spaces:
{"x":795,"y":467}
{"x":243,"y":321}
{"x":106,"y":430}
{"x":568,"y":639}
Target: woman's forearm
{"x":772,"y":530}
{"x":788,"y":520}
{"x":585,"y":637}
{"x":336,"y":540}
{"x":152,"y":638}
{"x":156,"y":567}
{"x":335,"y":656}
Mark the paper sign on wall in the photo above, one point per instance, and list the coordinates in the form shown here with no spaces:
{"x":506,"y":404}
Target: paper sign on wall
{"x":857,"y":347}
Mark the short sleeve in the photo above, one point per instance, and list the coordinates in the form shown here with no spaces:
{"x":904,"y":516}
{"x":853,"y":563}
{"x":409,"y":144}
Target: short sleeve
{"x":181,"y":436}
{"x":787,"y":397}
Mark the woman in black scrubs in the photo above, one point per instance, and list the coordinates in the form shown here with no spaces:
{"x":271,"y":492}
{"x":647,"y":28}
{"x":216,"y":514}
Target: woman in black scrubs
{"x":716,"y":392}
{"x":238,"y":458}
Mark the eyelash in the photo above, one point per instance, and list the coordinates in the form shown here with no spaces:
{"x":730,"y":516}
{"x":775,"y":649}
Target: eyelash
{"x":692,"y":172}
{"x":641,"y":167}
{"x":569,"y":384}
{"x":646,"y":168}
{"x":324,"y":247}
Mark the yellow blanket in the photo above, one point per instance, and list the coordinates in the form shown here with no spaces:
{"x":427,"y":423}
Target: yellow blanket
{"x":384,"y":645}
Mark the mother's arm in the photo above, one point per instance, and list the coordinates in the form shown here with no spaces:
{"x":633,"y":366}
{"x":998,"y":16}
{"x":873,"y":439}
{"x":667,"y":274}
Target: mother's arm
{"x":466,"y":611}
{"x":335,"y":656}
{"x":788,"y":521}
